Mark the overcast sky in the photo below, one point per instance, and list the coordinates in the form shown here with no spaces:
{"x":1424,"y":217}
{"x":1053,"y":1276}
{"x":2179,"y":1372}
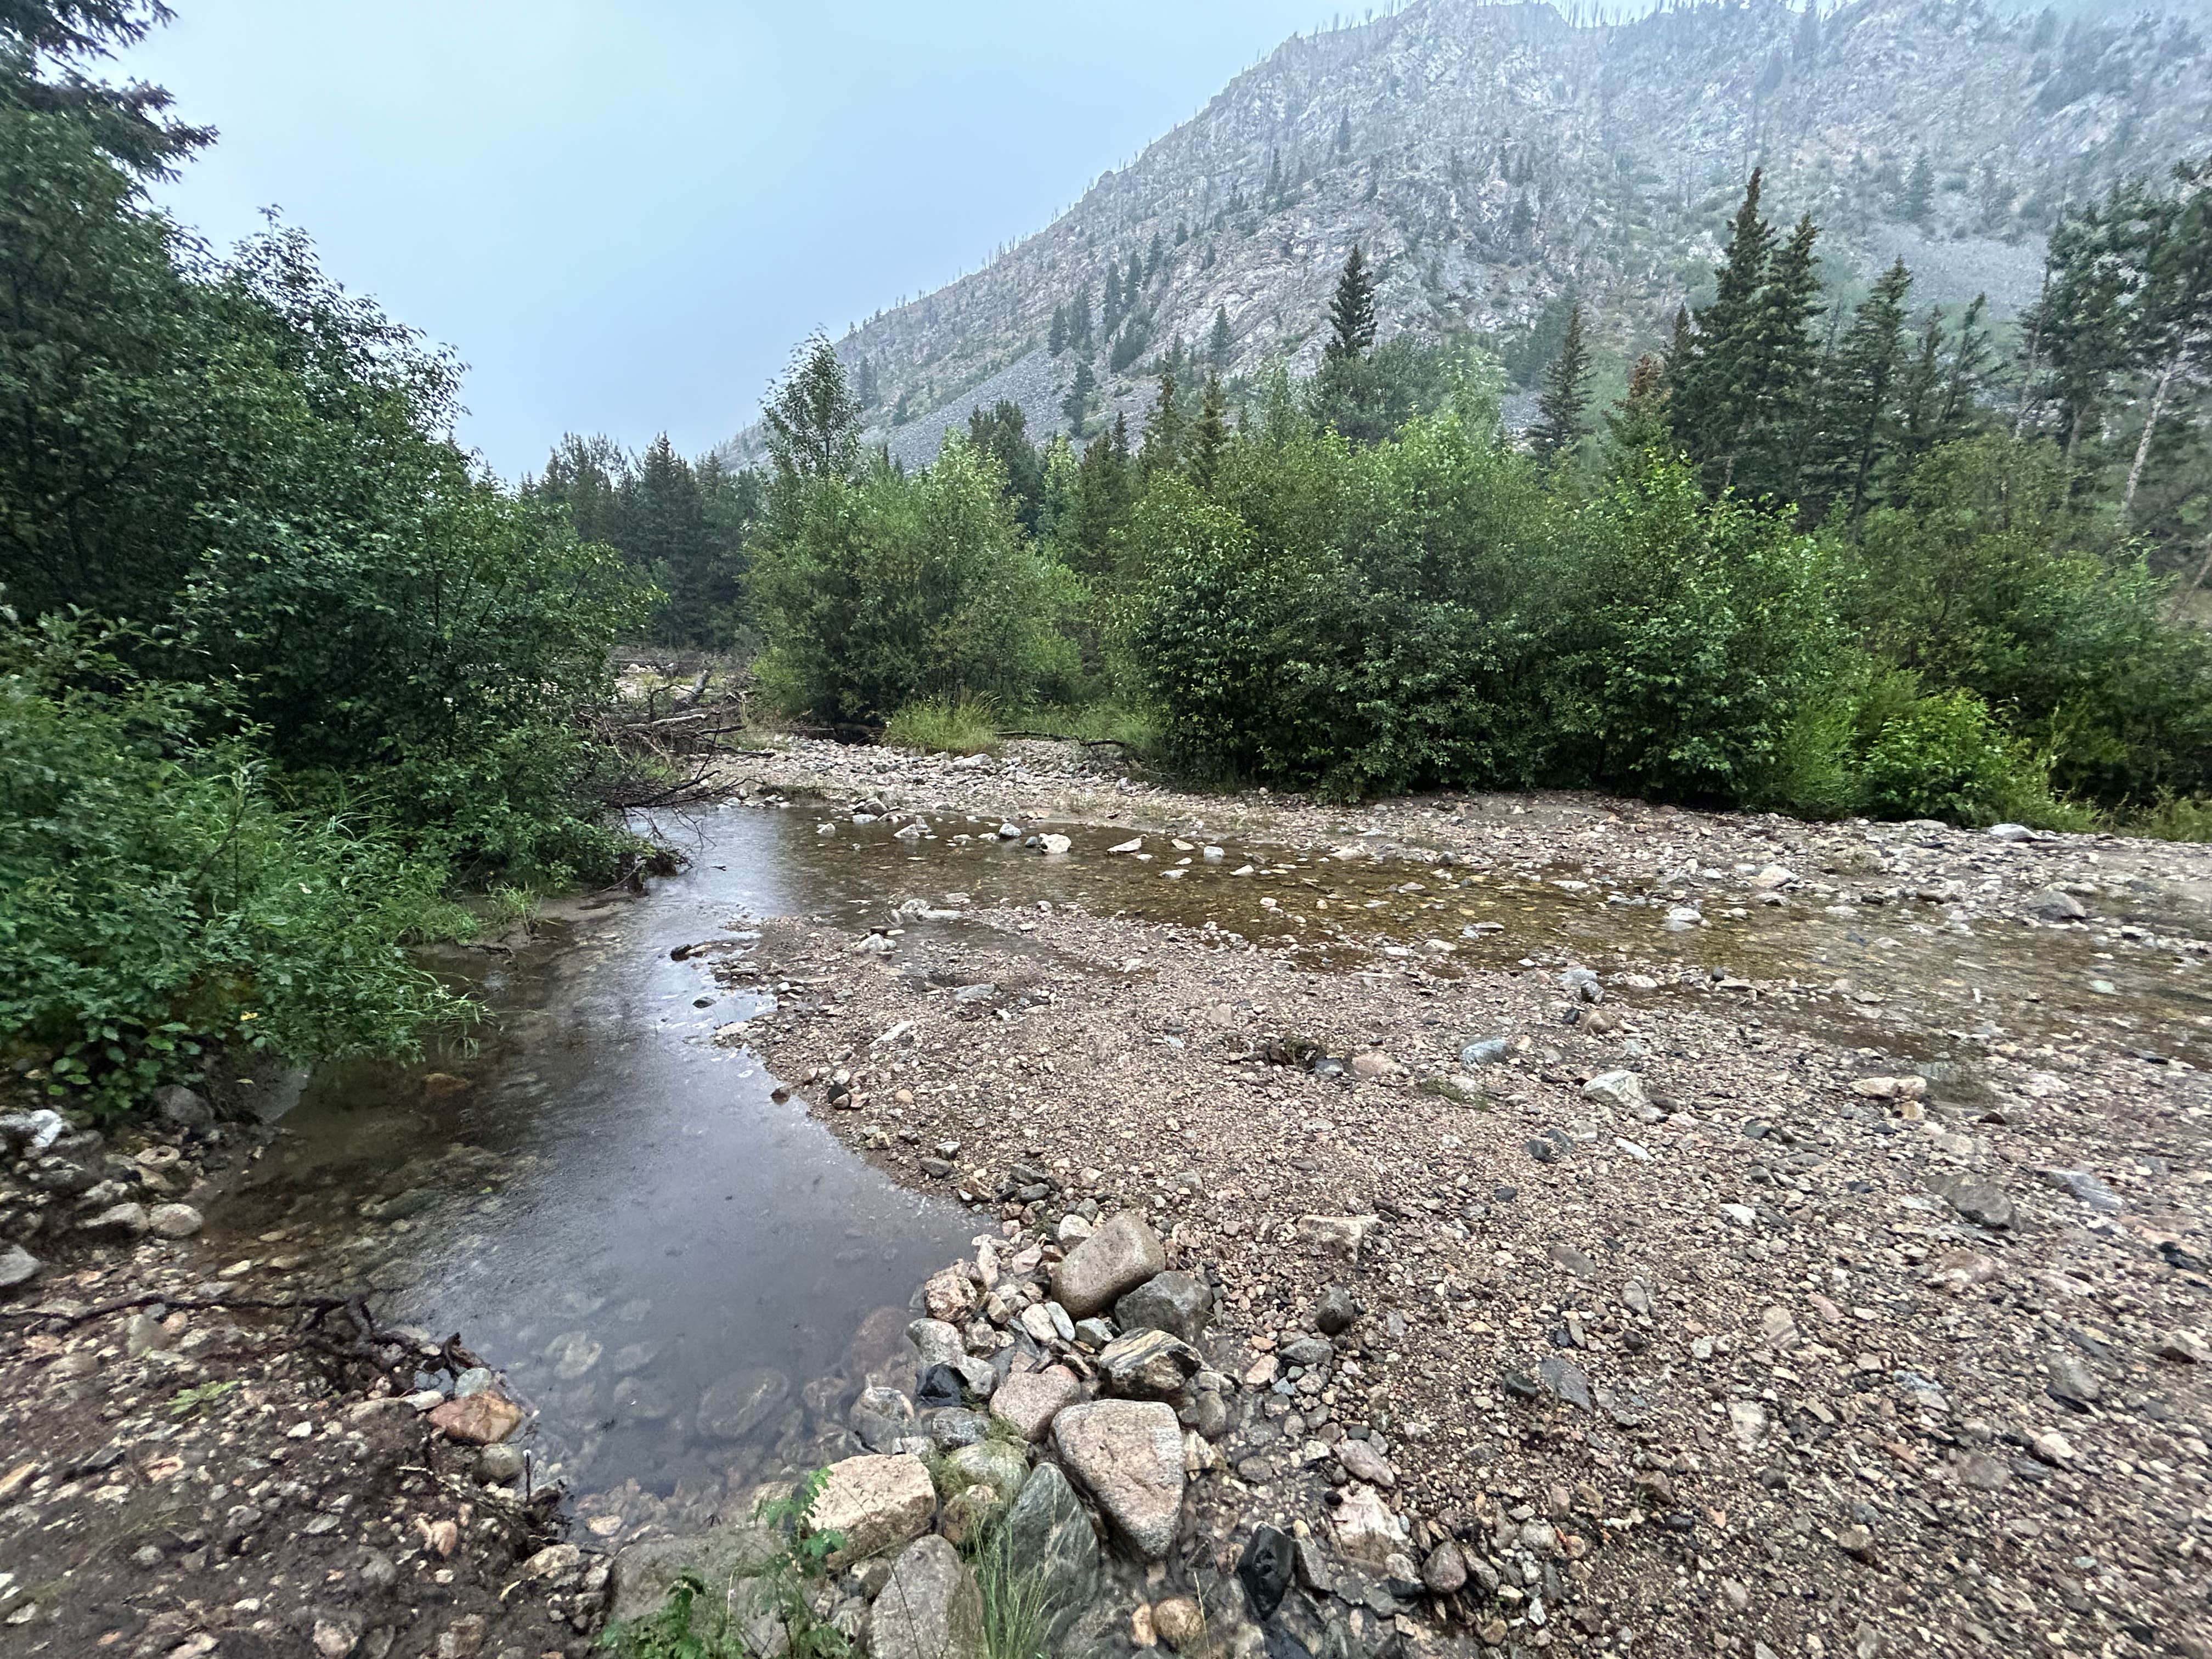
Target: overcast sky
{"x":623,"y":216}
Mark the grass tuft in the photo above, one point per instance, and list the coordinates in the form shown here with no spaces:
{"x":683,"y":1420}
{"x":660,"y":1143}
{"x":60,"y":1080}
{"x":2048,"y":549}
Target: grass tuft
{"x":961,"y":726}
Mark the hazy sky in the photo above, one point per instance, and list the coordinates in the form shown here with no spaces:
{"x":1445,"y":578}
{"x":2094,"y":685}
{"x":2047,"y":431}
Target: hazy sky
{"x":623,"y":215}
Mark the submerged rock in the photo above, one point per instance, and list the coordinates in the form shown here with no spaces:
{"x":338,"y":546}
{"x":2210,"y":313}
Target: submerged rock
{"x":735,"y":1406}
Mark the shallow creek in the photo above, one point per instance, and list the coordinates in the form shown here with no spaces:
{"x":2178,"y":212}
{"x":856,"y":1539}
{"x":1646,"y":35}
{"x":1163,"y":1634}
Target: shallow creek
{"x":692,"y":1280}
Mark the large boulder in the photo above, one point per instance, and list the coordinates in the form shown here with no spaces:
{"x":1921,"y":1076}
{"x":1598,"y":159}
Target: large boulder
{"x":1117,"y":1258}
{"x":1179,"y":1303}
{"x":930,"y":1609}
{"x":876,"y":1503}
{"x":1128,"y":1455}
{"x":1049,"y":1532}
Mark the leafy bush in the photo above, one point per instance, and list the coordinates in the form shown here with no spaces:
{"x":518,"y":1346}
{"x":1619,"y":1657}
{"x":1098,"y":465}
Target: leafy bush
{"x":893,"y":589}
{"x":1943,"y":756}
{"x":156,"y":899}
{"x":962,"y":725}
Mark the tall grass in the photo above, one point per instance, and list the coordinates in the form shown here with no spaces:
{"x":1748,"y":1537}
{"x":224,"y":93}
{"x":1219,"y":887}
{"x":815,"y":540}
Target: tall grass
{"x":959,"y":725}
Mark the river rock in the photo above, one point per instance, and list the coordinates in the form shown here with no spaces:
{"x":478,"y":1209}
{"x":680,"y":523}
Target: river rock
{"x":1980,"y":1201}
{"x":17,"y":1265}
{"x":1265,"y":1570}
{"x":572,"y":1353}
{"x":969,"y":1515}
{"x":733,"y":1407}
{"x":119,"y":1221}
{"x":877,"y":1503}
{"x":482,"y":1419}
{"x":732,"y":1554}
{"x":1179,"y":1303}
{"x":882,"y":1418}
{"x":2084,"y":1185}
{"x":1178,"y":1622}
{"x":1027,"y":1401}
{"x":1128,"y":1455}
{"x":2052,"y":905}
{"x":1334,"y":1312}
{"x":938,"y":1342}
{"x":1363,"y":1462}
{"x":948,"y":1295}
{"x":174,"y":1220}
{"x":1117,"y":1258}
{"x":1444,"y":1573}
{"x":1004,"y":1469}
{"x":1048,"y":1531}
{"x":931,"y":1608}
{"x":1622,"y":1090}
{"x":180,"y":1106}
{"x":1148,"y":1365}
{"x":1342,"y":1235}
{"x":1367,"y":1531}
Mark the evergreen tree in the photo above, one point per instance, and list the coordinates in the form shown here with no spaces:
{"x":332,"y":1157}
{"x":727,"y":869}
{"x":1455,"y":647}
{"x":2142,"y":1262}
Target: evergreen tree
{"x":1133,"y":285}
{"x":1079,"y":319}
{"x":2173,"y":308}
{"x":1076,"y":404}
{"x":1351,"y":313}
{"x":1861,"y":424}
{"x":1210,"y":436}
{"x":1919,"y":202}
{"x":1640,"y":422}
{"x":1344,"y":134}
{"x":1566,"y":395}
{"x":1781,"y":362}
{"x":1058,"y":342}
{"x":864,"y":383}
{"x":1271,"y":193}
{"x":1221,"y":345}
{"x":1002,"y":433}
{"x":1111,"y":314}
{"x":1163,"y":429}
{"x":2081,"y":325}
{"x":1154,"y":258}
{"x":1713,"y":382}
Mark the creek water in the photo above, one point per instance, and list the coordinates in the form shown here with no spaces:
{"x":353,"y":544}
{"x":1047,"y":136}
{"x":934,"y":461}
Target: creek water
{"x":692,"y":1280}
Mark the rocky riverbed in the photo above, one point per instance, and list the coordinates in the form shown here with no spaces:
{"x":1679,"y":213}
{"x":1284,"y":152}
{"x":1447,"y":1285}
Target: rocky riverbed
{"x":1701,"y":1295}
{"x":1508,"y":1224}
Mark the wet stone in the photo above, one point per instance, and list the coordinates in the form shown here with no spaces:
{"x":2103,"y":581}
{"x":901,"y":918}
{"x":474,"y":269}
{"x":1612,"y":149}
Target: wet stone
{"x":1264,"y":1570}
{"x":733,"y":1407}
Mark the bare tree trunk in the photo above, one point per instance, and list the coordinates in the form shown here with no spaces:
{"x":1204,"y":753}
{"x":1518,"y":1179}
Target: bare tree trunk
{"x":2150,"y":426}
{"x":2181,"y":600}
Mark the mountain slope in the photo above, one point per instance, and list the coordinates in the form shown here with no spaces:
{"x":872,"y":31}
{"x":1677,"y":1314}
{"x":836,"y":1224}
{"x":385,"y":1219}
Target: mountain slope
{"x":1490,"y":157}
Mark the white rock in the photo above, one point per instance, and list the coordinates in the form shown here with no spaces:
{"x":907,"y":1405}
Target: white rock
{"x":877,"y":1503}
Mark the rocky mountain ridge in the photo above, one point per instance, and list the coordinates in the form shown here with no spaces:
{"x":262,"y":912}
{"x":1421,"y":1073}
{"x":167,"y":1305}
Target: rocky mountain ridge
{"x":1492,"y":157}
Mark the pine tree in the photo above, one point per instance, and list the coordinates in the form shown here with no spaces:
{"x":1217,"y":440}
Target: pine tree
{"x":1351,"y":313}
{"x":1221,"y":345}
{"x":1154,"y":257}
{"x":1640,"y":420}
{"x":1002,"y":431}
{"x":1273,"y":189}
{"x":864,"y":383}
{"x":1079,"y":319}
{"x":1163,"y":429}
{"x":1566,"y":395}
{"x":1781,"y":364}
{"x":1861,"y":422}
{"x":1919,"y":202}
{"x":1110,"y":316}
{"x":1713,"y":382}
{"x":1344,"y":134}
{"x":1059,"y":341}
{"x":1133,"y":285}
{"x":2173,"y":308}
{"x":1210,"y":437}
{"x":1076,"y":404}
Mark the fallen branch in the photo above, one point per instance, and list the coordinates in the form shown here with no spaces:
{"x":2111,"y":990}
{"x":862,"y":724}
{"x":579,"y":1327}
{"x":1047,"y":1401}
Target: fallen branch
{"x":1056,"y":737}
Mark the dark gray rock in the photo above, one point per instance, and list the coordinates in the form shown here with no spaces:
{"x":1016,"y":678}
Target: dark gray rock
{"x":1336,"y":1310}
{"x":930,"y":1609}
{"x":1566,"y":1381}
{"x":1048,"y":1530}
{"x":1981,"y":1202}
{"x":1179,"y":1303}
{"x":180,"y":1106}
{"x":1265,"y":1570}
{"x":2052,"y":905}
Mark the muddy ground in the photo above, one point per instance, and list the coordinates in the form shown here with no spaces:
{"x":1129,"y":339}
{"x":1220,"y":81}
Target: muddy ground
{"x":1819,"y":1268}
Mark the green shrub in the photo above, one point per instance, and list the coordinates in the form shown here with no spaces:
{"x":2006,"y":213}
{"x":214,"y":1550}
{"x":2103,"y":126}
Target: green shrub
{"x":155,"y":899}
{"x":2175,"y":818}
{"x":896,"y":589}
{"x":1943,"y":756}
{"x":958,"y":726}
